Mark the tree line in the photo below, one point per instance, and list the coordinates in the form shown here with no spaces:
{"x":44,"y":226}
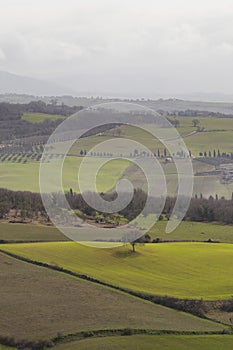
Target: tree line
{"x":200,"y":209}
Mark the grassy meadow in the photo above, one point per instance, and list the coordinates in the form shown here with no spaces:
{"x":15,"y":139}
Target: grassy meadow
{"x":25,"y":177}
{"x":193,"y":231}
{"x":186,"y":231}
{"x":208,"y":123}
{"x":218,"y":135}
{"x":183,"y":270}
{"x":40,"y":117}
{"x":151,"y":342}
{"x":106,"y":179}
{"x":28,"y":232}
{"x":19,"y":176}
{"x":206,"y":141}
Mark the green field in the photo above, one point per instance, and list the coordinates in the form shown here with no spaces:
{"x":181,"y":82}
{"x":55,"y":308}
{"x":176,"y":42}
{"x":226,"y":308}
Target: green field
{"x":27,"y":232}
{"x":218,"y":134}
{"x":139,"y":342}
{"x":193,"y":231}
{"x":183,"y":270}
{"x":206,"y":141}
{"x":40,"y":117}
{"x":106,"y":179}
{"x":19,"y":176}
{"x":197,"y":231}
{"x":37,"y":303}
{"x":208,"y":123}
{"x":207,"y":185}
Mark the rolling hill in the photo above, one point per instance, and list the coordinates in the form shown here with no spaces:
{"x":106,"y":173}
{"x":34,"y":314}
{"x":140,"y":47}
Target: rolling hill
{"x":16,"y":84}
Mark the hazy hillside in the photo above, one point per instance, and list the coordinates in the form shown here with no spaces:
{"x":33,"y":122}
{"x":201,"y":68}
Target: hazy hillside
{"x":12,"y":83}
{"x":24,"y":90}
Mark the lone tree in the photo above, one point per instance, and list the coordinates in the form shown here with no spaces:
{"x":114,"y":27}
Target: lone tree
{"x":176,"y":123}
{"x":132,"y":239}
{"x":141,"y":240}
{"x":133,"y":244}
{"x":195,"y":122}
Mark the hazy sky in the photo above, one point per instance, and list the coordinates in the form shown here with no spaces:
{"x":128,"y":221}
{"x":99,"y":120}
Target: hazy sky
{"x":127,"y":47}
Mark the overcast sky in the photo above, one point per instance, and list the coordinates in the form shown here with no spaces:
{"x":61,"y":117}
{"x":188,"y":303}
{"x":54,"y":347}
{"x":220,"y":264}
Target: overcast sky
{"x":129,"y":47}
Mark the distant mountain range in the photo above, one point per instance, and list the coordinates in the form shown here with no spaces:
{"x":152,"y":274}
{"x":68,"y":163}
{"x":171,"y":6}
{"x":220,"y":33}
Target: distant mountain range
{"x":12,"y":83}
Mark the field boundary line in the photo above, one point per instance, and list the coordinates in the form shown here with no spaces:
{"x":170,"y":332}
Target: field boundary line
{"x":102,"y":333}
